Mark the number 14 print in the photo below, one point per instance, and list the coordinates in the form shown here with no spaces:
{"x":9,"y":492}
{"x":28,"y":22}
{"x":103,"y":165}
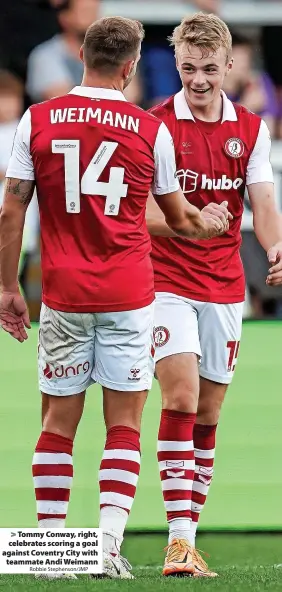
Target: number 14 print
{"x":113,"y":190}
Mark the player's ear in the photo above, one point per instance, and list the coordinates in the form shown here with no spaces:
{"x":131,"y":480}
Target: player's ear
{"x":128,"y":67}
{"x":229,"y":65}
{"x":81,"y":54}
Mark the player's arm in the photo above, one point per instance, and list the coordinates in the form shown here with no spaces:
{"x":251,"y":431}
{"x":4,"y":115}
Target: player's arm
{"x":172,"y":214}
{"x":267,"y":220}
{"x":155,"y":219}
{"x":19,"y":189}
{"x":17,"y":196}
{"x":186,"y":220}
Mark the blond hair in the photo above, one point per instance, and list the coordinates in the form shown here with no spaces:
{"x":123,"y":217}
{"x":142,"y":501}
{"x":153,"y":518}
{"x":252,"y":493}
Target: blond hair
{"x":111,"y":41}
{"x":206,"y":31}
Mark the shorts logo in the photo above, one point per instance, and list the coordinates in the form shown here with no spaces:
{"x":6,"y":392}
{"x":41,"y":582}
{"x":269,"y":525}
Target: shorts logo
{"x":161,"y":336}
{"x":234,"y":147}
{"x":65,"y":371}
{"x":134,"y":374}
{"x":47,"y":372}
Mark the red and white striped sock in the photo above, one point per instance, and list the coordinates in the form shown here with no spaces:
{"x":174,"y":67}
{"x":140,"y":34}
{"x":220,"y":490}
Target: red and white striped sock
{"x":176,"y":465}
{"x":118,"y":476}
{"x":52,"y":471}
{"x":204,"y":442}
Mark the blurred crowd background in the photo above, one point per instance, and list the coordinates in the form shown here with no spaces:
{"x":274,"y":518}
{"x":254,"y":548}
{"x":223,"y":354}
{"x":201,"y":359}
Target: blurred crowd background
{"x":39,"y":47}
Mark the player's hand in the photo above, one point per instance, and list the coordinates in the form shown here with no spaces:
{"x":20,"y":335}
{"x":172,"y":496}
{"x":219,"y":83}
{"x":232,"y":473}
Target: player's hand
{"x":274,"y":256}
{"x":14,"y":315}
{"x":217,"y":216}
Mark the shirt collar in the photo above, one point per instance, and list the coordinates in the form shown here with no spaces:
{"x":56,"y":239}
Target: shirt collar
{"x":183,"y":111}
{"x":98,"y":93}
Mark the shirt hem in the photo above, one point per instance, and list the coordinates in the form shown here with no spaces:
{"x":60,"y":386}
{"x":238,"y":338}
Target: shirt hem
{"x":96,"y":308}
{"x":10,"y":173}
{"x":202,"y":297}
{"x":162,"y":191}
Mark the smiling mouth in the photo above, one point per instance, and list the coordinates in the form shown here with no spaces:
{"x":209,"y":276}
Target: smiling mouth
{"x":200,"y":91}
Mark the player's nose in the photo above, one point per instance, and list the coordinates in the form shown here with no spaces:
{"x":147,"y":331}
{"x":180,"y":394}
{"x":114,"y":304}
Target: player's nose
{"x":199,"y":79}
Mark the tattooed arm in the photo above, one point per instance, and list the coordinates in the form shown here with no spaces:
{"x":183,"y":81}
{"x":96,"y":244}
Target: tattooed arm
{"x":17,"y":196}
{"x":14,"y":317}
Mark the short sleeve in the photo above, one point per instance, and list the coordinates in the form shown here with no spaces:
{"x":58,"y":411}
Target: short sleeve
{"x":20,"y":164}
{"x":165,"y":180}
{"x":259,"y":169}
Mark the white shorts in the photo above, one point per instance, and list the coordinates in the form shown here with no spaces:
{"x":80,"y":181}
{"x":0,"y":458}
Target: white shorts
{"x":210,"y":330}
{"x":112,"y":348}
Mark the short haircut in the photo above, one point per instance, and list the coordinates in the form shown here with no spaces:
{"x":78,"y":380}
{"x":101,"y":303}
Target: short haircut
{"x":111,"y":41}
{"x":206,"y":31}
{"x":10,"y":84}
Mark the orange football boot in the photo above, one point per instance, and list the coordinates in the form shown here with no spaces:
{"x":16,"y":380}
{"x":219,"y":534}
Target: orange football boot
{"x":201,"y":567}
{"x":179,"y":559}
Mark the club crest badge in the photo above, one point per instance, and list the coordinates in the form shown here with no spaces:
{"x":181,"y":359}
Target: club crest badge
{"x":234,"y":147}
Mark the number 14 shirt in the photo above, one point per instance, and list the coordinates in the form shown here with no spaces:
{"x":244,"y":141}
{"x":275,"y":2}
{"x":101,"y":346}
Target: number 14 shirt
{"x":94,"y":158}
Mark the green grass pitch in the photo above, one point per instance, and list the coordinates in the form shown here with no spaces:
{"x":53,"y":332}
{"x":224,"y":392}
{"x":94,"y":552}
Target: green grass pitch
{"x":246,"y":493}
{"x":244,"y":563}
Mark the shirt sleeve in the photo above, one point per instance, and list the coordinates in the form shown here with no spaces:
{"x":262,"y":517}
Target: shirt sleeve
{"x":165,"y":180}
{"x":259,"y":169}
{"x":20,"y":164}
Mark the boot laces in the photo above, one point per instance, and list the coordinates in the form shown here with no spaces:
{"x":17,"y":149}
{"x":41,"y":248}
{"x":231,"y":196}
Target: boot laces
{"x":176,"y":548}
{"x":125,"y":563}
{"x":197,"y":558}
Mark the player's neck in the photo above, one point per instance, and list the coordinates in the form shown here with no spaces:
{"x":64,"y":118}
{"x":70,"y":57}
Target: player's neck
{"x":97,"y":81}
{"x":209,"y":113}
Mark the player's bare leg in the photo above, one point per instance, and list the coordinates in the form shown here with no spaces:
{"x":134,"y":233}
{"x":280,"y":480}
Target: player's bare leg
{"x":61,"y":415}
{"x":211,"y":397}
{"x":44,"y":406}
{"x":178,"y":376}
{"x":119,"y":473}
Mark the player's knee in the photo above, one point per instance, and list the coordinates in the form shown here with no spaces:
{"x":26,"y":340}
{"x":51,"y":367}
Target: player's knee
{"x":181,"y":398}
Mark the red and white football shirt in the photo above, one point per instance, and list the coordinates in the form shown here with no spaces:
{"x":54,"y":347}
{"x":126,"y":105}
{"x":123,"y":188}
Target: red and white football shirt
{"x":215,"y":162}
{"x":94,"y":157}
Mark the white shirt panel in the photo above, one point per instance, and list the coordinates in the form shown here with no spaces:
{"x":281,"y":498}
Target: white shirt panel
{"x":165,"y":180}
{"x":20,"y":164}
{"x":259,"y":169}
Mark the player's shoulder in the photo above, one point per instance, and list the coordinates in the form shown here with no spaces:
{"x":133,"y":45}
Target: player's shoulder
{"x":164,"y":109}
{"x":245,"y":114}
{"x":145,"y":115}
{"x":247,"y":125}
{"x":55,"y":102}
{"x":50,"y":102}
